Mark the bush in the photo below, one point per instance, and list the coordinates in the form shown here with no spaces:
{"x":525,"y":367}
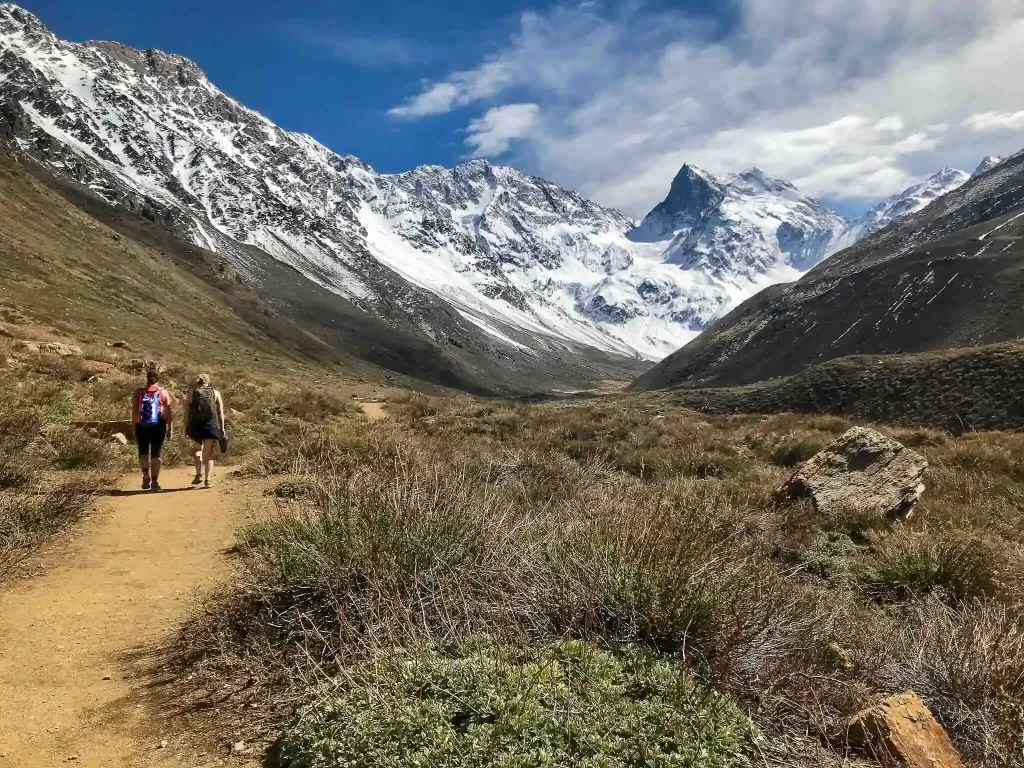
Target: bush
{"x":794,"y":452}
{"x":958,"y":564}
{"x":73,"y":449}
{"x":570,"y":704}
{"x":25,"y":519}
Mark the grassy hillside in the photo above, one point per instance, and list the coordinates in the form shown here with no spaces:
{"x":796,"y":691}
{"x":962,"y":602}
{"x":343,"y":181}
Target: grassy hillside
{"x":82,"y":270}
{"x":976,"y":388}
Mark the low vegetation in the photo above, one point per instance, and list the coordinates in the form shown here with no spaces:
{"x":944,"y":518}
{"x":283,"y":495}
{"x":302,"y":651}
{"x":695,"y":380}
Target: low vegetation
{"x":50,"y":470}
{"x":630,"y":526}
{"x":568,"y":704}
{"x":958,"y":390}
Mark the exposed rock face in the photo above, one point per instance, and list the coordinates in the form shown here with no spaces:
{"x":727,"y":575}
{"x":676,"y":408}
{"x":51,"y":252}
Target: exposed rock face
{"x":901,"y":733}
{"x":910,"y":200}
{"x":862,"y":470}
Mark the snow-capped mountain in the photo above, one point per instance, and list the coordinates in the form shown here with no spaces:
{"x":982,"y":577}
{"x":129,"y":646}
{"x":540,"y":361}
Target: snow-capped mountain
{"x":476,"y":251}
{"x":987,"y":165}
{"x":910,"y":200}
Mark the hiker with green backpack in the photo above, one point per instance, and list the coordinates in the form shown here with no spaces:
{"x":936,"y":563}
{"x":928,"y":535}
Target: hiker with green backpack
{"x":204,"y":419}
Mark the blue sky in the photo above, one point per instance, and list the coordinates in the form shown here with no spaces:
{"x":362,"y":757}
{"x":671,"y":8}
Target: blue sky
{"x":330,"y":69}
{"x":850,"y":99}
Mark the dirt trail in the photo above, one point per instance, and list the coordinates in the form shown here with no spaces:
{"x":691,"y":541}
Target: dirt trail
{"x":76,"y":641}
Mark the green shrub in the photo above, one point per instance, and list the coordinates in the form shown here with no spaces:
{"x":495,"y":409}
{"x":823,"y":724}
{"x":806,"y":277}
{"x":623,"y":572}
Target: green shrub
{"x":571,"y":705}
{"x":794,"y":452}
{"x":959,"y":564}
{"x":293,"y":489}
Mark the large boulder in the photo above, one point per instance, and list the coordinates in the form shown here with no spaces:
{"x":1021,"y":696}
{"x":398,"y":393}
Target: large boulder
{"x":902,"y":733}
{"x":863,"y":471}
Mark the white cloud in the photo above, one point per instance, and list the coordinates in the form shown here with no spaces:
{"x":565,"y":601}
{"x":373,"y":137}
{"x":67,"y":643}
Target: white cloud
{"x":459,"y":89}
{"x":361,"y":50}
{"x":851,"y":99}
{"x":991,"y":122}
{"x":494,"y":133}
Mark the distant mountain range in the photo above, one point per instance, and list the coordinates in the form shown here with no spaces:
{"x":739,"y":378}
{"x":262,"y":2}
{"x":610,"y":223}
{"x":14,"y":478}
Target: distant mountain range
{"x":480,"y":261}
{"x":949,"y":276}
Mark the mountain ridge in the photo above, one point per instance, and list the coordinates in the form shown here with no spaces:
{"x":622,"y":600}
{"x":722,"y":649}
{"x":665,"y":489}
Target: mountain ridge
{"x":480,"y":255}
{"x":947,"y":276}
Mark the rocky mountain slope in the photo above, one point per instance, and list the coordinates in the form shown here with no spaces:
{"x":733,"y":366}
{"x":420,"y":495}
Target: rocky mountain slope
{"x":479,"y":256}
{"x":987,"y":164}
{"x":146,"y":133}
{"x":948,"y":276}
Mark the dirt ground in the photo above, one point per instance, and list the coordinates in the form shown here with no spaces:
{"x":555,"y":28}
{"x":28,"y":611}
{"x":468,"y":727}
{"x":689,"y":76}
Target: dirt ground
{"x":79,"y":642}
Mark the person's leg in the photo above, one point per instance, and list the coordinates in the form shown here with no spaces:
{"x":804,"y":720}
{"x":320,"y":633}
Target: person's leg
{"x":155,"y":448}
{"x":142,"y":440}
{"x":197,"y":461}
{"x":208,"y":462}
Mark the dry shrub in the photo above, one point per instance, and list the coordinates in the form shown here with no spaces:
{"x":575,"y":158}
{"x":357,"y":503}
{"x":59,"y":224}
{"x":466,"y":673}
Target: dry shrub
{"x":601,"y":521}
{"x":68,"y":448}
{"x":967,"y":661}
{"x":27,"y":518}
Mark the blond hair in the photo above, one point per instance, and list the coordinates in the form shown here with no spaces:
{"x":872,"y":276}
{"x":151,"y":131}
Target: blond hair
{"x":203,"y":380}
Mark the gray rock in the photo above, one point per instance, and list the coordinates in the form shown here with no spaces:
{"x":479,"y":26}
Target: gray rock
{"x":864,"y":471}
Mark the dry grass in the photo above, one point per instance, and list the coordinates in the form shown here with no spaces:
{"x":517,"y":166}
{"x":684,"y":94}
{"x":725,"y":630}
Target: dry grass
{"x":626,"y":524}
{"x":49,"y":470}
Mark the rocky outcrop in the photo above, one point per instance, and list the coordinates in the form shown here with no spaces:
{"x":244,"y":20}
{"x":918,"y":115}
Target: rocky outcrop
{"x":902,"y":733}
{"x":864,"y":471}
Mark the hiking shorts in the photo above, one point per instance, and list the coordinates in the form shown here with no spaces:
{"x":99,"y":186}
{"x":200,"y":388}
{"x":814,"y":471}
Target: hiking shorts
{"x":150,"y":438}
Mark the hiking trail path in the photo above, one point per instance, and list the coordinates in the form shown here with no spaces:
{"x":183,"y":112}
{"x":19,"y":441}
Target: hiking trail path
{"x":78,"y":681}
{"x":81,"y":637}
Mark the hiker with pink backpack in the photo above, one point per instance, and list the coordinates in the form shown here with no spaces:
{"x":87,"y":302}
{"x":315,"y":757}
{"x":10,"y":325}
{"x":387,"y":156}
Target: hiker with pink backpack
{"x":153,"y":417}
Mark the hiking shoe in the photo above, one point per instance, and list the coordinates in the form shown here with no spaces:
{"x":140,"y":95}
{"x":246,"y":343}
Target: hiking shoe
{"x":146,"y":482}
{"x":197,"y":480}
{"x":208,"y":483}
{"x":155,"y":487}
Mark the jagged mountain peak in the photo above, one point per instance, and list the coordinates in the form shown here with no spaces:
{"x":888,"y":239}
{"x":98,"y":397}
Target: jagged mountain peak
{"x":12,"y":15}
{"x":152,"y":61}
{"x":756,"y":181}
{"x":988,"y":164}
{"x":747,"y":225}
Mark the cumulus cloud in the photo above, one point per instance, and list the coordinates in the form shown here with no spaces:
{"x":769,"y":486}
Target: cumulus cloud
{"x":991,"y":122}
{"x":851,"y":99}
{"x":494,"y":133}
